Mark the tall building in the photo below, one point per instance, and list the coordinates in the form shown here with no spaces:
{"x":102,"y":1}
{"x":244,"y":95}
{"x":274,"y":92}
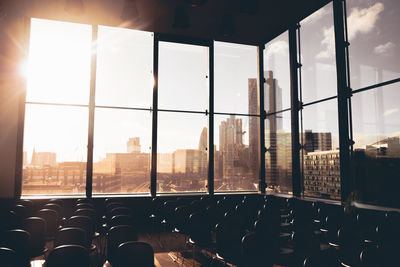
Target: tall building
{"x":317,"y":141}
{"x":231,"y":145}
{"x":133,"y":145}
{"x":41,"y":159}
{"x":322,"y":174}
{"x":254,"y":127}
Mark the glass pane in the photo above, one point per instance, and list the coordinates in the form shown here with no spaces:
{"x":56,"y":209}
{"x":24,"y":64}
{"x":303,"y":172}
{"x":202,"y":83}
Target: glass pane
{"x":121,"y":161}
{"x":183,"y":77}
{"x":376,"y":127}
{"x":235,"y":77}
{"x":182,"y":152}
{"x":55,"y":153}
{"x":374,"y":49}
{"x":237,"y":155}
{"x":321,"y":164}
{"x":124,"y":68}
{"x":278,"y":159}
{"x":277,"y":74}
{"x":318,"y":55}
{"x":59,"y":62}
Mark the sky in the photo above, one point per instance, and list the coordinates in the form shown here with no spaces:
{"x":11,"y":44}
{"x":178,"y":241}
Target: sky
{"x":59,"y":72}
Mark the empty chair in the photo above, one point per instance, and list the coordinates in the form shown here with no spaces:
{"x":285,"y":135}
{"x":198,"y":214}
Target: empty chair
{"x":84,"y":200}
{"x":91,"y":213}
{"x":17,"y":240}
{"x":84,"y":223}
{"x":116,"y":236}
{"x":57,"y":201}
{"x":51,"y":218}
{"x":8,"y":220}
{"x":134,"y":254}
{"x":253,"y":253}
{"x":20,"y":212}
{"x":36,"y":227}
{"x":28,"y":204}
{"x":67,"y":256}
{"x":229,"y":234}
{"x":120,"y":211}
{"x":84,"y":205}
{"x":72,"y":236}
{"x":121,"y":220}
{"x":8,"y":257}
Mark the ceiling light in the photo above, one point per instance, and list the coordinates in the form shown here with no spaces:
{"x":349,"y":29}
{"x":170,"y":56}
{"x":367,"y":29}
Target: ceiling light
{"x":196,"y":3}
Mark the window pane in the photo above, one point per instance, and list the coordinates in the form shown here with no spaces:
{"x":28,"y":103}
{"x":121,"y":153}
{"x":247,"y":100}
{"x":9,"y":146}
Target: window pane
{"x":374,"y":49}
{"x":122,"y":141}
{"x":55,"y":141}
{"x":182,"y":152}
{"x":236,"y":160}
{"x":124,"y":68}
{"x":321,"y":164}
{"x":236,"y":73}
{"x":376,"y":127}
{"x":59,"y":62}
{"x":277,"y":74}
{"x":183,"y":77}
{"x":318,"y":55}
{"x":278,"y":159}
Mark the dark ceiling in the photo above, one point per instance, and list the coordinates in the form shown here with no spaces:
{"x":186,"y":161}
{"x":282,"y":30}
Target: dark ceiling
{"x":254,"y":21}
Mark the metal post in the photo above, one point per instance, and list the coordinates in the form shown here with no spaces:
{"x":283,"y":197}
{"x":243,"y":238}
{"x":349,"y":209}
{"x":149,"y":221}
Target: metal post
{"x":153,"y":182}
{"x":93,"y":66}
{"x":296,"y":175}
{"x":343,"y":94}
{"x":261,"y":82}
{"x":211,"y":121}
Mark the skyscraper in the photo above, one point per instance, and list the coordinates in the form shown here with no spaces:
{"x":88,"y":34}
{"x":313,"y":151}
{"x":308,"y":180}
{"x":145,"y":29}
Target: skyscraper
{"x":254,"y":127}
{"x":133,"y":145}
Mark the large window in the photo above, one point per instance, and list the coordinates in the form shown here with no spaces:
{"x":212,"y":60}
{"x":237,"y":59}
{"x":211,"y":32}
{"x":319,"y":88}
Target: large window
{"x":122,"y":117}
{"x":182,"y":142}
{"x":374,"y":55}
{"x":57,"y":99}
{"x":237,"y":119}
{"x":278,"y":157}
{"x":319,"y":116}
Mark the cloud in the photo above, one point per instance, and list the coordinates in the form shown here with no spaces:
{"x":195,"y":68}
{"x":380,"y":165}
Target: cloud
{"x":390,"y":111}
{"x":384,"y":49}
{"x":363,"y":20}
{"x":278,"y":47}
{"x":359,"y":21}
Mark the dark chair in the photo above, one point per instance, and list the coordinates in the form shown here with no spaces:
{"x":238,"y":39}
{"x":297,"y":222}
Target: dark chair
{"x":20,"y":212}
{"x":121,"y":220}
{"x":120,"y":211}
{"x":72,"y":236}
{"x":57,"y":201}
{"x":371,"y":257}
{"x":28,"y":204}
{"x":228,"y":235}
{"x":135,"y":254}
{"x":84,"y":206}
{"x":8,"y":257}
{"x":83,"y":222}
{"x":253,"y":253}
{"x":84,"y":200}
{"x":17,"y":240}
{"x":36,"y":227}
{"x":116,"y":236}
{"x":91,"y":213}
{"x":67,"y":256}
{"x":52,"y":223}
{"x":8,"y":220}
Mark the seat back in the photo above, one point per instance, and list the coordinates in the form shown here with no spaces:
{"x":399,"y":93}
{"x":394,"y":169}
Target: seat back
{"x":135,"y":254}
{"x":118,"y":235}
{"x":68,"y":255}
{"x":71,"y":236}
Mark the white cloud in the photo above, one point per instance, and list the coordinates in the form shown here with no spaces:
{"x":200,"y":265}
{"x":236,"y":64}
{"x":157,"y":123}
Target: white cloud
{"x":390,"y":111}
{"x":363,"y":20}
{"x":278,"y":47}
{"x":384,"y":49}
{"x":359,"y":21}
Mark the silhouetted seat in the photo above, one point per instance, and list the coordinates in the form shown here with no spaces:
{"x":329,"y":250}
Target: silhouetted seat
{"x":134,"y":254}
{"x":91,"y":213}
{"x":72,"y":236}
{"x":229,"y":236}
{"x":253,"y":252}
{"x":20,"y":212}
{"x":116,"y":236}
{"x":121,"y":220}
{"x":17,"y":240}
{"x":67,"y":256}
{"x":51,"y":218}
{"x":8,"y":220}
{"x":85,"y":223}
{"x":36,"y":227}
{"x":8,"y":257}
